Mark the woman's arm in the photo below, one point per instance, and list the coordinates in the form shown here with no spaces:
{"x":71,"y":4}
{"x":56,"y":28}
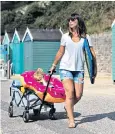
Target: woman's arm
{"x":93,"y":52}
{"x":95,"y":62}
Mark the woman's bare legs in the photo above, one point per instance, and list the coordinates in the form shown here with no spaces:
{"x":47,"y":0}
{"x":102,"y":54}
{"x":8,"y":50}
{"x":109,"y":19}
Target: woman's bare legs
{"x":69,"y":90}
{"x":78,"y":91}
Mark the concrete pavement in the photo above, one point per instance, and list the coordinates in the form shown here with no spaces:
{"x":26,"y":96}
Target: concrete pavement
{"x":94,"y":114}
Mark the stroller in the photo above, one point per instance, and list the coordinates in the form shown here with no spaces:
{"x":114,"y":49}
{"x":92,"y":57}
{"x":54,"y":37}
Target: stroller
{"x":29,"y":95}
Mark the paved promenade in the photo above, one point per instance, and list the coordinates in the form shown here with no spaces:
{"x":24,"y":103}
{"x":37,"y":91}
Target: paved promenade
{"x":94,"y":114}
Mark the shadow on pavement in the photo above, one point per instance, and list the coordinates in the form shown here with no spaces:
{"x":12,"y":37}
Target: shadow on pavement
{"x":97,"y":117}
{"x":18,"y":112}
{"x":45,"y":116}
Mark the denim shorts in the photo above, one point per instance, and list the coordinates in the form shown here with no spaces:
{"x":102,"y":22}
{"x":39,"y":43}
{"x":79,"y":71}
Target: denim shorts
{"x":76,"y":76}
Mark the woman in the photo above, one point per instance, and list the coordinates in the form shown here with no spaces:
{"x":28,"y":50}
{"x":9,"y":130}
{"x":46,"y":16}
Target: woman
{"x":71,"y":54}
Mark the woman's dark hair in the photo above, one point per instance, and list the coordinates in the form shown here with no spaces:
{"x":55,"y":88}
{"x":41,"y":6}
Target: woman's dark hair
{"x":81,"y":28}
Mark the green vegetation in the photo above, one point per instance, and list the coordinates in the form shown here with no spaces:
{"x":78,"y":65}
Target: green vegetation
{"x":98,"y":15}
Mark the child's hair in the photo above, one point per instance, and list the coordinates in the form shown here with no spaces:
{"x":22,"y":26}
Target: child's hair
{"x":38,"y":75}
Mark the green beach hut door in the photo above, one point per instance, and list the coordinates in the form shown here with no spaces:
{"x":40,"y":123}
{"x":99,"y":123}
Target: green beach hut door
{"x":5,"y":44}
{"x":28,"y":59}
{"x":113,"y":51}
{"x":17,"y":56}
{"x":44,"y":53}
{"x":17,"y":50}
{"x":28,"y":52}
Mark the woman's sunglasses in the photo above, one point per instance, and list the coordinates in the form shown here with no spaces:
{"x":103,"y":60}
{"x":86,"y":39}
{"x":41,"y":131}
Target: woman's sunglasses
{"x":72,"y":19}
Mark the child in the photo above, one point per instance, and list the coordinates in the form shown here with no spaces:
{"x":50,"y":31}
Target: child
{"x":38,"y":75}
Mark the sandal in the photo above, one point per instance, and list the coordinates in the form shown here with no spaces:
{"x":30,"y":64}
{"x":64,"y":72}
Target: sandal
{"x":72,"y":125}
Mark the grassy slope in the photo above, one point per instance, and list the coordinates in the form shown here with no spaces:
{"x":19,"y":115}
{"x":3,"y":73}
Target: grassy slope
{"x":97,"y":15}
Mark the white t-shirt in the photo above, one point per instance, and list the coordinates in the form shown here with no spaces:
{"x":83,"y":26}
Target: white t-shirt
{"x":73,"y":58}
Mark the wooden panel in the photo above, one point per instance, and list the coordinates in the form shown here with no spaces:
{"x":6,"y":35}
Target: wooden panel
{"x":11,"y":52}
{"x":44,"y":54}
{"x":17,"y":55}
{"x":6,"y":48}
{"x":28,"y":56}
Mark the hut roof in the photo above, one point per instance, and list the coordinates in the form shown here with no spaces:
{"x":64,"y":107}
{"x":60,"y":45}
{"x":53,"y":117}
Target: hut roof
{"x":10,"y":35}
{"x":45,"y":34}
{"x":21,"y":34}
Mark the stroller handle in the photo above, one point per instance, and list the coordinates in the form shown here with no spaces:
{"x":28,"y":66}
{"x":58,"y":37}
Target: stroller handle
{"x":45,"y":93}
{"x":54,"y":71}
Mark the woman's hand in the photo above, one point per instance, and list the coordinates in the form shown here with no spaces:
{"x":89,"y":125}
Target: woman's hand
{"x":53,"y":67}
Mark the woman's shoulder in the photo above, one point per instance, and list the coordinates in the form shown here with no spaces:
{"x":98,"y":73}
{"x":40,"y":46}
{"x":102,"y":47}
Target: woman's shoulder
{"x":87,"y":36}
{"x":89,"y":40}
{"x":65,"y":35}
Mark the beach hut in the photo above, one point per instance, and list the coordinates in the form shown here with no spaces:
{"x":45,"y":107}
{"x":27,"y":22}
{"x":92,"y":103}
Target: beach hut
{"x":40,"y":48}
{"x":113,"y":51}
{"x":1,"y":48}
{"x":17,"y":52}
{"x":6,"y":44}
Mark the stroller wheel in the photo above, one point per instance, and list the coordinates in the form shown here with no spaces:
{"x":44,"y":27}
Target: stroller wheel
{"x":10,"y":111}
{"x":51,"y":114}
{"x":26,"y":116}
{"x":36,"y":111}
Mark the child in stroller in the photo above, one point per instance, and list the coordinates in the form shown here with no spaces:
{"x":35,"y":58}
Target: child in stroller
{"x":37,"y":83}
{"x":39,"y":76}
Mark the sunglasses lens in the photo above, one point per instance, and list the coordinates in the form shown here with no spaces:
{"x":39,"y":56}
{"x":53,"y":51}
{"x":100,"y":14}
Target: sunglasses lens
{"x":72,"y":19}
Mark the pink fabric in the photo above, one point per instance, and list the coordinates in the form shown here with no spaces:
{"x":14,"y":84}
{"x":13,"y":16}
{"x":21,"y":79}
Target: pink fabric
{"x":57,"y":91}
